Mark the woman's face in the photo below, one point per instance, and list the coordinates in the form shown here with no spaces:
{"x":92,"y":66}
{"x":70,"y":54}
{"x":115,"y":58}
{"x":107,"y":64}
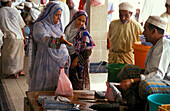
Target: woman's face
{"x":80,"y":21}
{"x":56,"y":17}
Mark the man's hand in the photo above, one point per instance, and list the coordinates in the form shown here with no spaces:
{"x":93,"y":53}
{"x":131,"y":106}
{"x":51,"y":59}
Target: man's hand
{"x":74,"y":63}
{"x":126,"y":84}
{"x":64,"y":41}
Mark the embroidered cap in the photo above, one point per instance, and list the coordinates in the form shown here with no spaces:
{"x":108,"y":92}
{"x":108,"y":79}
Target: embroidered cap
{"x":126,"y":6}
{"x":28,"y":4}
{"x":5,"y":0}
{"x":168,"y":2}
{"x":157,"y":21}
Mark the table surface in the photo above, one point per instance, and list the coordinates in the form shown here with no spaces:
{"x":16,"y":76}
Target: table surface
{"x":77,"y":98}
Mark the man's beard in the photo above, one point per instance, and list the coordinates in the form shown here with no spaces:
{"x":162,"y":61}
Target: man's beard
{"x":71,"y":7}
{"x":124,"y":22}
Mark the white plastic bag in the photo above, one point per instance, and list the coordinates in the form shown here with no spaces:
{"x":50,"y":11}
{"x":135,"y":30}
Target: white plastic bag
{"x":112,"y":93}
{"x":64,"y":87}
{"x":109,"y":95}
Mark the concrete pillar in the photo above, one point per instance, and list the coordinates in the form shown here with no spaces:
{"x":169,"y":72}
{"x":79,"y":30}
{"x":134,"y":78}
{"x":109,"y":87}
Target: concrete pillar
{"x":98,"y":30}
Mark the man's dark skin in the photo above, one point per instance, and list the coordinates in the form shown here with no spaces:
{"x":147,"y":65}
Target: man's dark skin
{"x":151,"y":36}
{"x":70,"y":4}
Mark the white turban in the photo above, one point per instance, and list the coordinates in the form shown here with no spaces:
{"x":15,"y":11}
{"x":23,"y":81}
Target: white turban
{"x":5,"y":0}
{"x":168,"y":2}
{"x":126,"y":6}
{"x":157,"y":21}
{"x":28,"y":4}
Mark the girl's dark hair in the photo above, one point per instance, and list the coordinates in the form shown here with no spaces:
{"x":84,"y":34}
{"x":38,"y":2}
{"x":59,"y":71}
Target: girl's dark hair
{"x":160,"y":31}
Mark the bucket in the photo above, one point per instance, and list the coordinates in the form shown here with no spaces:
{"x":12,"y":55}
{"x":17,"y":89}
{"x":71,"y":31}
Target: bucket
{"x":113,"y":70}
{"x":140,"y":52}
{"x":156,"y":100}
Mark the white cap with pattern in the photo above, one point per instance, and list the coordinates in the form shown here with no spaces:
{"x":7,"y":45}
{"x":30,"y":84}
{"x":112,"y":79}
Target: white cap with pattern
{"x":28,"y":4}
{"x":157,"y":21}
{"x":126,"y":6}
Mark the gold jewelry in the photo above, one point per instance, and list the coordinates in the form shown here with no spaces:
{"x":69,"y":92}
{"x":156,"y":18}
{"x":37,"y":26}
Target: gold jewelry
{"x":132,"y":80}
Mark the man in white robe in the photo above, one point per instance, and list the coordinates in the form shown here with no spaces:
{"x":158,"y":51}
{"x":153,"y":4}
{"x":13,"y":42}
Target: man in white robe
{"x":32,"y":13}
{"x":166,"y":15}
{"x":136,"y":83}
{"x":12,"y":24}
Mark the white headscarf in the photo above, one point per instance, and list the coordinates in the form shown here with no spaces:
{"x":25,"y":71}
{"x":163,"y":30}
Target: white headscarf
{"x":46,"y":17}
{"x":65,"y":18}
{"x":70,"y":33}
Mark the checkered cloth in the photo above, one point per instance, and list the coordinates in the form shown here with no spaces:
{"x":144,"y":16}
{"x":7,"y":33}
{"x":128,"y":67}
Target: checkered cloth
{"x":129,"y":71}
{"x":144,"y":88}
{"x":147,"y":87}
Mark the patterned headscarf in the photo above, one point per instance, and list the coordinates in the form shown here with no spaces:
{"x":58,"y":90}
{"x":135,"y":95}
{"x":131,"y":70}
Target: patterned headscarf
{"x":78,"y":14}
{"x":81,"y":35}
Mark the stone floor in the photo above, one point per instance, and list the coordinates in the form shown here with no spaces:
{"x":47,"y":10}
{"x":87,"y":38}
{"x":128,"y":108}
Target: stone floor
{"x":15,"y":89}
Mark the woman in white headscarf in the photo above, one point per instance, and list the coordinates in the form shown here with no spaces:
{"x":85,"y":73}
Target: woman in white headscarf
{"x":50,"y":53}
{"x":77,"y":34}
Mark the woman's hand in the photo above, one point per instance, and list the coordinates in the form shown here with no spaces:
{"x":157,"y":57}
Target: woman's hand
{"x":64,"y":41}
{"x":126,"y":84}
{"x":74,"y":63}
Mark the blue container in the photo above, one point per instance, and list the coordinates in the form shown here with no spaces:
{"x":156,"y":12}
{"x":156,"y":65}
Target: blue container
{"x":143,"y":41}
{"x":156,"y":100}
{"x":167,"y":36}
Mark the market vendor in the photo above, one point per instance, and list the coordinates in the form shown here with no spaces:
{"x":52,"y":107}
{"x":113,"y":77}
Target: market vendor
{"x":136,"y":85}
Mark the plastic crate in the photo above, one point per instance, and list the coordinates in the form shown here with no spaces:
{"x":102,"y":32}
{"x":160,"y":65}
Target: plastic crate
{"x":98,"y":67}
{"x":113,"y":70}
{"x":165,"y":107}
